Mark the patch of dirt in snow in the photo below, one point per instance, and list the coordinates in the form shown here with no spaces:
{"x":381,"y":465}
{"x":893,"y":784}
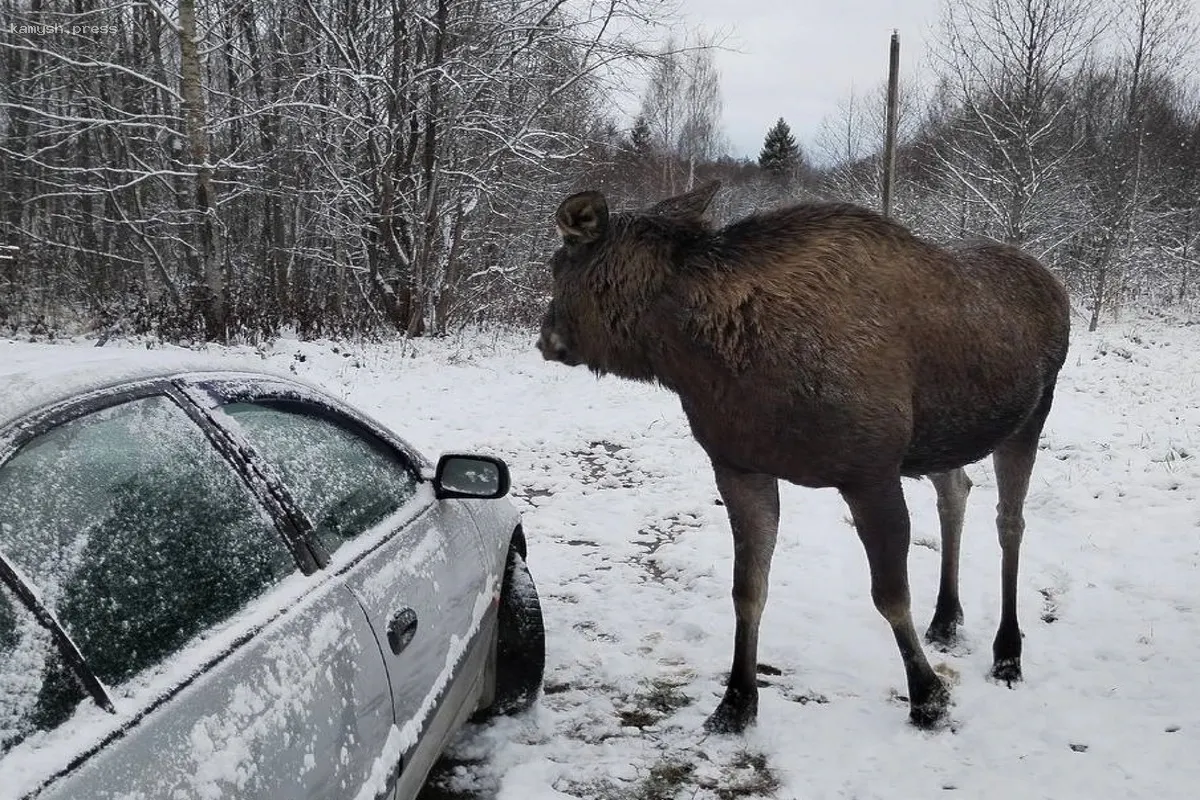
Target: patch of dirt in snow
{"x":665,"y":771}
{"x":653,"y":537}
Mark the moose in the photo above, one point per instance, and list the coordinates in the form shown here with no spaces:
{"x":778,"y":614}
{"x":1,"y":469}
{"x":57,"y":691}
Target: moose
{"x":828,"y":346}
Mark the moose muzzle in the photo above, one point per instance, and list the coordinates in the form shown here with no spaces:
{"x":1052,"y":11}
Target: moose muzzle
{"x":554,"y":348}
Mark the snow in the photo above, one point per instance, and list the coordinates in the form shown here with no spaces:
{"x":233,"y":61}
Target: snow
{"x":632,"y":559}
{"x":32,"y":375}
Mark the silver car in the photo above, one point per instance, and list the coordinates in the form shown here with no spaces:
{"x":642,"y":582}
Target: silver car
{"x":221,"y":583}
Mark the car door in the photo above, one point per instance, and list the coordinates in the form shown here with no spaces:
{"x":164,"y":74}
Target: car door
{"x":419,"y":562}
{"x":230,"y":673}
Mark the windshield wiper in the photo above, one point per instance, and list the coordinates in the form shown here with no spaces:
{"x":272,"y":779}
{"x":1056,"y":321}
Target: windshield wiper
{"x":12,"y":578}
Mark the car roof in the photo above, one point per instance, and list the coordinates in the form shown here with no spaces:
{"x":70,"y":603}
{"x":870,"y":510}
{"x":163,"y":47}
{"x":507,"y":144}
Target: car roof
{"x":36,"y":375}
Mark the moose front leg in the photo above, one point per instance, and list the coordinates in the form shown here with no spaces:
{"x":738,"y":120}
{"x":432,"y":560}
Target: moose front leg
{"x":752,"y":501}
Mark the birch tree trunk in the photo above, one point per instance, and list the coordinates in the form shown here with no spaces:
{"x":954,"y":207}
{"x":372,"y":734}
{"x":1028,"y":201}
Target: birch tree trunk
{"x":207,"y":232}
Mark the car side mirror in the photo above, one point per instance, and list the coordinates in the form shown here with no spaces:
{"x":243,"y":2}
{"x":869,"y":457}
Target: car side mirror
{"x":478,"y":477}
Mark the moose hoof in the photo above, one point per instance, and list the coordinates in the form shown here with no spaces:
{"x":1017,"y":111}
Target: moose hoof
{"x":943,"y":628}
{"x":931,"y":712}
{"x":1007,"y":671}
{"x":736,"y":712}
{"x":942,"y":636}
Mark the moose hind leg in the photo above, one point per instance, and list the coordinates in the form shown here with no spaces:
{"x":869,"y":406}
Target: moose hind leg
{"x":752,"y":501}
{"x":952,"y":489}
{"x":1013,"y":461}
{"x":881,"y":518}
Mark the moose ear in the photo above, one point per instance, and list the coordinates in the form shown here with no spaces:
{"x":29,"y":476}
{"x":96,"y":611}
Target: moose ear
{"x":582,"y":218}
{"x":691,"y":204}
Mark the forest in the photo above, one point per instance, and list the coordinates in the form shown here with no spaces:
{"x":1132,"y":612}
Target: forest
{"x":226,"y":170}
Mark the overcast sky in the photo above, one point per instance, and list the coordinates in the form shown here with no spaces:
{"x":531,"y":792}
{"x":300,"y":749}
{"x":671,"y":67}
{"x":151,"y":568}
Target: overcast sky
{"x":798,"y":59}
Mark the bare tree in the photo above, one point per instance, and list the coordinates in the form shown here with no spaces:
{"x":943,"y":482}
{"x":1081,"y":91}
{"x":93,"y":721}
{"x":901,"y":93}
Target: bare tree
{"x":1123,"y":98}
{"x":1008,"y":62}
{"x":207,"y":244}
{"x":850,"y":142}
{"x":223,"y":168}
{"x":700,"y":138}
{"x":681,"y":107}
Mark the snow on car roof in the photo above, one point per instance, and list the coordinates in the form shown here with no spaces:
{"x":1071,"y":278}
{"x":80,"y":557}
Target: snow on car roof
{"x":36,"y":375}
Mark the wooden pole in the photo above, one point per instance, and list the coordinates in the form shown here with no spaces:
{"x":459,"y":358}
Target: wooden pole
{"x":889,"y":144}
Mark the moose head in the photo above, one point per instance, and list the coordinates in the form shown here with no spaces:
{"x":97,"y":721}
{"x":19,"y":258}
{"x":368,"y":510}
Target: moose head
{"x":606,"y":275}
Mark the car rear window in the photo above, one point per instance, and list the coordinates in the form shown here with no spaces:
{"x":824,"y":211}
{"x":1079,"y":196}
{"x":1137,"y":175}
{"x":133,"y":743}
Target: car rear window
{"x":344,"y":480}
{"x":136,"y":533}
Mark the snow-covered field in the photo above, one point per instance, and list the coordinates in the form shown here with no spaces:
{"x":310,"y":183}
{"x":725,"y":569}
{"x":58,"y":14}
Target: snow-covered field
{"x":632,"y":557}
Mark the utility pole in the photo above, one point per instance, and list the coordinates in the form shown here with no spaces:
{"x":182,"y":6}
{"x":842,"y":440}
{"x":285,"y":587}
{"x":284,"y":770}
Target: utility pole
{"x":889,"y":143}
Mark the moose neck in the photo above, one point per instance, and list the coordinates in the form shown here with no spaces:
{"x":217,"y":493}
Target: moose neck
{"x":629,"y":289}
{"x":622,"y":348}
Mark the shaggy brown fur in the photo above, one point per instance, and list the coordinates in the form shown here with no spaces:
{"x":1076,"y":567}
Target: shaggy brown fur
{"x":827,"y":346}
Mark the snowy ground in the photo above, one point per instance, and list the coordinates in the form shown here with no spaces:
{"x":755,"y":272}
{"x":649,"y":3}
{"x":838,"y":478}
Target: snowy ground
{"x":633,"y":560}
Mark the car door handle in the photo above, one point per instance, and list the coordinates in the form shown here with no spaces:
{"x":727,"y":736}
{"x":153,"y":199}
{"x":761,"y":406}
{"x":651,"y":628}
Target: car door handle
{"x":401,"y":629}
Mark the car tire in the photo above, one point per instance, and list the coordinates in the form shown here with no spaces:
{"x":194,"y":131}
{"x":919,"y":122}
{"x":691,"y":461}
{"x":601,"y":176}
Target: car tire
{"x":520,"y":641}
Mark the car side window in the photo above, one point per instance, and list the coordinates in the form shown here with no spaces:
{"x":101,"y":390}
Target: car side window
{"x":136,"y":533}
{"x":344,"y":481}
{"x":27,"y":655}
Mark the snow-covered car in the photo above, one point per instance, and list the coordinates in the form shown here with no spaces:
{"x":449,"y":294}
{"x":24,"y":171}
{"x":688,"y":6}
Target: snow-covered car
{"x":219,"y":583}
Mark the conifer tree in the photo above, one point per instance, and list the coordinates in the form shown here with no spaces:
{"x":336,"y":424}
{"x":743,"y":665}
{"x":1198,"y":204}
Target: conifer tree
{"x":641,"y":139}
{"x":780,"y":155}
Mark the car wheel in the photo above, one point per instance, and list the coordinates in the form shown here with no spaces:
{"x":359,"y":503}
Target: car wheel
{"x":520,"y":641}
